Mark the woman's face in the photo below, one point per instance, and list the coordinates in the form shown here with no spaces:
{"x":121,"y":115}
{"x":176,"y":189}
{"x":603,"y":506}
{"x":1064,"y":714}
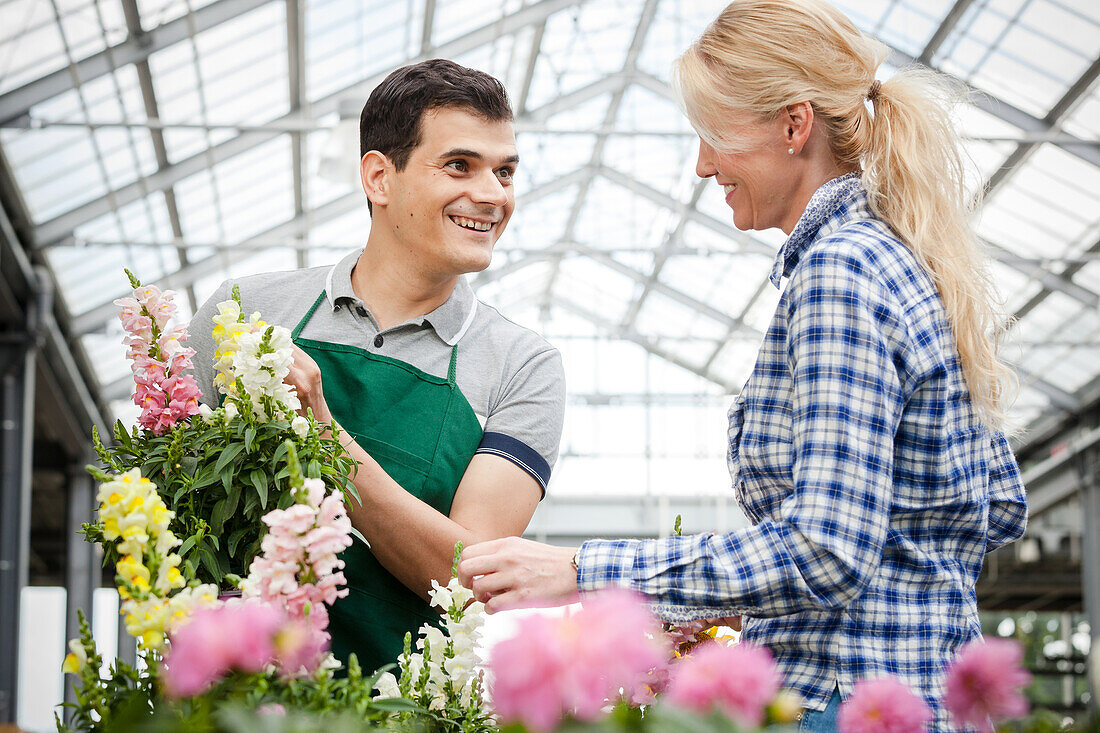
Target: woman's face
{"x":758,"y":180}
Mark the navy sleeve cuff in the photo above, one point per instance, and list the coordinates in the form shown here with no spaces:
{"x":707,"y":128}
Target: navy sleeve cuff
{"x":519,"y":453}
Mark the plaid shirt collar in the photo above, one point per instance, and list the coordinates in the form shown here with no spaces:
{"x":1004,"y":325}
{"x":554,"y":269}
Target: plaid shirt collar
{"x":834,"y":203}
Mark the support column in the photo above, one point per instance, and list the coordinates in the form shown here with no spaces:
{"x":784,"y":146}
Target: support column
{"x":82,"y":572}
{"x":17,"y":372}
{"x":1089,"y":466}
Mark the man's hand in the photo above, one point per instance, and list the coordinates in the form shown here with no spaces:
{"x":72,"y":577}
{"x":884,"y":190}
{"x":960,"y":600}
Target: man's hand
{"x":515,"y":573}
{"x":305,"y":377}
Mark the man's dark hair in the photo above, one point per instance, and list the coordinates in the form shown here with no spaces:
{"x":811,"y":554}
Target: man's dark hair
{"x":392,"y":118}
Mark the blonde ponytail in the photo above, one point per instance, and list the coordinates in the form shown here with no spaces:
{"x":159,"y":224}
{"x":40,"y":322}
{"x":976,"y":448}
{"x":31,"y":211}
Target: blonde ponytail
{"x":760,"y":56}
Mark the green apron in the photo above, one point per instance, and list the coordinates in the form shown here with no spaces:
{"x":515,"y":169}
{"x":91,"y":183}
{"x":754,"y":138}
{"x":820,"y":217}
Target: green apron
{"x":423,"y":433}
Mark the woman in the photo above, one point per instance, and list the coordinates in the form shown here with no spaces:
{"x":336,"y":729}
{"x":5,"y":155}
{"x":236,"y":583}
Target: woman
{"x":866,"y":445}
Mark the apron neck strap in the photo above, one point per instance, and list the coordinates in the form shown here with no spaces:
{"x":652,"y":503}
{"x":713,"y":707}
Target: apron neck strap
{"x":453,"y":367}
{"x":305,"y":319}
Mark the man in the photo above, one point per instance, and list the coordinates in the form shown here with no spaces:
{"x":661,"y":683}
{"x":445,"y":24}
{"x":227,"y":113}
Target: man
{"x":455,"y":412}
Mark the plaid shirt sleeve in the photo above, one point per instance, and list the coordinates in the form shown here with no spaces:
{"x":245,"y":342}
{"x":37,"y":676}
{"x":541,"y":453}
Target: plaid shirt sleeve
{"x":843,"y":335}
{"x":1007,"y":500}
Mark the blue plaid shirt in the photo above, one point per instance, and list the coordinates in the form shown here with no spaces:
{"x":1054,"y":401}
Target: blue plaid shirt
{"x":873,"y":487}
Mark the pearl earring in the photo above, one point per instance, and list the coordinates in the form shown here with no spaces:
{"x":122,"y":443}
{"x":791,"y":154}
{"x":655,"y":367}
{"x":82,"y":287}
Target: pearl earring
{"x":790,"y":151}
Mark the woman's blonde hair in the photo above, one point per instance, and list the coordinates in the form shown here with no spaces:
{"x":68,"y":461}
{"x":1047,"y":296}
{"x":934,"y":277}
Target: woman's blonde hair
{"x":760,"y":56}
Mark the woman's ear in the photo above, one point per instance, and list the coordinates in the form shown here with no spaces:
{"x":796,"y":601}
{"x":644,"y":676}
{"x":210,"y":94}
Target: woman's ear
{"x":375,"y":171}
{"x":798,"y":123}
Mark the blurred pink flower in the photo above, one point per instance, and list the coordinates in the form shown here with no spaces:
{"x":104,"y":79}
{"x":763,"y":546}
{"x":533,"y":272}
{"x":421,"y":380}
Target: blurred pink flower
{"x":574,"y":664}
{"x":217,"y":640}
{"x":738,"y":680}
{"x":884,"y":705}
{"x":300,"y":645}
{"x":985,"y":683}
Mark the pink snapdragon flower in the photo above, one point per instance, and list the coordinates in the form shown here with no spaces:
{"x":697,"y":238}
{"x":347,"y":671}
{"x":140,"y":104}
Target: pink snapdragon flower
{"x":298,"y":568}
{"x":738,"y":680}
{"x":571,"y":665}
{"x":884,"y":705}
{"x":158,"y":358}
{"x":985,"y":683}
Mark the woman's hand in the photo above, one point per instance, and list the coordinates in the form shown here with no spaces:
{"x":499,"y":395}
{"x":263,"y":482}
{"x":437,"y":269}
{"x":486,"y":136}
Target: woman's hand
{"x":518,"y":573}
{"x":305,"y":377}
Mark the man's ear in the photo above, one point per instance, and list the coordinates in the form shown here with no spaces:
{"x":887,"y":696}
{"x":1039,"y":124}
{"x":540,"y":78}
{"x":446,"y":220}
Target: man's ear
{"x":375,"y":171}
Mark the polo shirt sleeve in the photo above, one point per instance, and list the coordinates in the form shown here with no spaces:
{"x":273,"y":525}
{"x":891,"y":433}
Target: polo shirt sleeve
{"x":200,"y":338}
{"x":525,"y":425}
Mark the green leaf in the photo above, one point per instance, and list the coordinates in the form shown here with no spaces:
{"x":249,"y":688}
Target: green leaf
{"x":227,"y":478}
{"x":397,"y":705}
{"x":280,"y":454}
{"x":206,"y":476}
{"x":217,"y":517}
{"x":228,"y":455}
{"x":249,"y":437}
{"x":187,"y":545}
{"x":231,"y":500}
{"x":313,"y":470}
{"x":259,"y":480}
{"x":235,"y":539}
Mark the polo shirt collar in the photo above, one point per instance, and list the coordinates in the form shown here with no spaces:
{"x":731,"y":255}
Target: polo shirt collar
{"x":450,"y":320}
{"x":832,"y":204}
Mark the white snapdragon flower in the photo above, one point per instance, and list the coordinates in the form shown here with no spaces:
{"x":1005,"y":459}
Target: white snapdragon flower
{"x":387,"y":687}
{"x":300,"y":426}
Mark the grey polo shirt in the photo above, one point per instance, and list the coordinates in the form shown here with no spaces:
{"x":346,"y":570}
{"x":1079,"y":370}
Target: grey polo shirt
{"x":512,"y":378}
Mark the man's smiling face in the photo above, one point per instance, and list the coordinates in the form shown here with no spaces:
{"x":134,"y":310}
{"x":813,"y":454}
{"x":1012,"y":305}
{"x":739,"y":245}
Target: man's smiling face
{"x":453,"y":199}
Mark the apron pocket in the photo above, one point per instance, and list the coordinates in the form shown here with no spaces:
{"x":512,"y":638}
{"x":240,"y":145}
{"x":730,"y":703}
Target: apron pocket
{"x":407,"y":469}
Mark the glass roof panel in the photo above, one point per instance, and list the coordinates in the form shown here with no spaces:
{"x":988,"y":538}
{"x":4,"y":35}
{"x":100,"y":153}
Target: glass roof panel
{"x":348,"y":42}
{"x":597,"y":289}
{"x":657,"y":160}
{"x":61,"y":167}
{"x":1026,"y":52}
{"x":664,"y":317}
{"x":454,"y":18}
{"x":581,"y":45}
{"x":33,"y":43}
{"x":674,"y":28}
{"x":239,"y":197}
{"x":537,"y":224}
{"x":234,"y":73}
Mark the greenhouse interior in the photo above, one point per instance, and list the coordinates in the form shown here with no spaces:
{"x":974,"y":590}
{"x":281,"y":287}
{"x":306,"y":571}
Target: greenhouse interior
{"x":193,"y":142}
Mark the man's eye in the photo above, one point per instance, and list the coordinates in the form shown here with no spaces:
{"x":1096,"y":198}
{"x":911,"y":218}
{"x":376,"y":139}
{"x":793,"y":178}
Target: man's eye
{"x":506,"y":173}
{"x":459,"y":165}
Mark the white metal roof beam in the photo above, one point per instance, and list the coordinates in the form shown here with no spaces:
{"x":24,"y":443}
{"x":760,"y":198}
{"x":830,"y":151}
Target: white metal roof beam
{"x":18,"y":102}
{"x":296,"y":72}
{"x":61,"y":227}
{"x":160,"y":150}
{"x":426,"y":28}
{"x":958,"y":10}
{"x":661,"y":256}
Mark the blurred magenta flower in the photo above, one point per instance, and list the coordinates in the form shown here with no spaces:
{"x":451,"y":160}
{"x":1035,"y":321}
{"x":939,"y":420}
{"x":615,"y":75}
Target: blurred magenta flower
{"x":574,"y":664}
{"x":738,"y":680}
{"x":885,"y":705}
{"x":985,"y":683}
